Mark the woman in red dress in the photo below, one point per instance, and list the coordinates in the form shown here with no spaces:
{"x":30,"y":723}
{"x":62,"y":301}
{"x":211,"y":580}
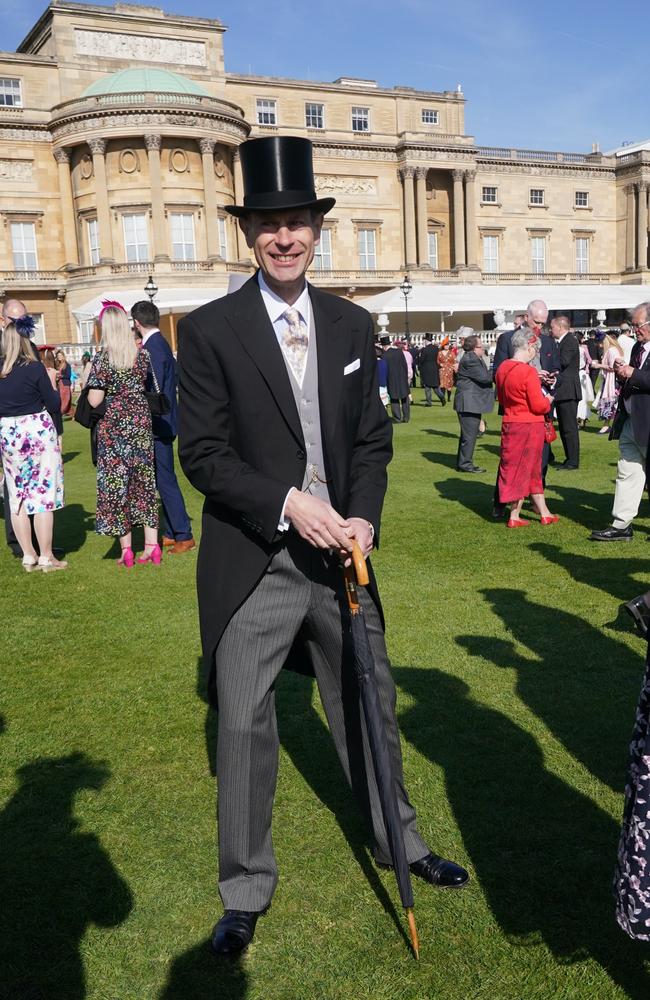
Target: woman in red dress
{"x":522,"y":431}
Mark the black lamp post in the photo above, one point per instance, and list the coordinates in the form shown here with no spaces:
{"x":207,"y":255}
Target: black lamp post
{"x":151,"y":288}
{"x":406,"y":288}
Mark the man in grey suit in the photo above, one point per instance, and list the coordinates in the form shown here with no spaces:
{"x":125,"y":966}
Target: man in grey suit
{"x":474,"y":396}
{"x":282,"y":429}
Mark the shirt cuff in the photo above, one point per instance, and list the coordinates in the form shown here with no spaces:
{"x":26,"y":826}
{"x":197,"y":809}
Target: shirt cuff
{"x":284,"y":524}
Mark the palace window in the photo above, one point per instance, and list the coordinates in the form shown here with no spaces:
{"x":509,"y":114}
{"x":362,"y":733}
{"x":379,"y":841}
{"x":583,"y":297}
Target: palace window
{"x":433,"y":250}
{"x":367,"y":242}
{"x":266,"y":111}
{"x":536,"y":196}
{"x":430,"y":117}
{"x":92,"y":233}
{"x":582,"y":255}
{"x":23,"y":243}
{"x":86,"y":330}
{"x":323,"y":251}
{"x":183,"y":246}
{"x":582,"y":199}
{"x":10,"y":93}
{"x":489,"y":195}
{"x":223,"y":237}
{"x":360,"y":119}
{"x":314,"y":116}
{"x":136,"y":239}
{"x":491,"y":254}
{"x":538,"y":254}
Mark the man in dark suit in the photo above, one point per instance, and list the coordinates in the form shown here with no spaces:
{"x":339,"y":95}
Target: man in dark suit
{"x":282,"y":429}
{"x":176,"y":526}
{"x":429,"y":371}
{"x":631,"y":428}
{"x":398,"y":383}
{"x":503,"y":349}
{"x":473,"y":397}
{"x":568,"y":391}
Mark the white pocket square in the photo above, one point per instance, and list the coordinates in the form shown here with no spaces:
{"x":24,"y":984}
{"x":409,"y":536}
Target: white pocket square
{"x":352,"y":367}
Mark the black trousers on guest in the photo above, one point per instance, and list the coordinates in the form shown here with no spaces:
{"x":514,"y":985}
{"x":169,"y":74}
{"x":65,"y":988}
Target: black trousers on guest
{"x":10,"y":535}
{"x":469,"y":428}
{"x":429,"y":389}
{"x":401,"y":410}
{"x":567,"y":419}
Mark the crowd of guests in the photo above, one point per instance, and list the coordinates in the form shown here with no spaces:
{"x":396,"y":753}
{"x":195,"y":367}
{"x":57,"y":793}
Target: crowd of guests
{"x":130,"y":388}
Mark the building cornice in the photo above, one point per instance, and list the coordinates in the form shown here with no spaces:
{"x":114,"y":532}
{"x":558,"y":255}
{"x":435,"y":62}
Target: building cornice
{"x":287,"y":83}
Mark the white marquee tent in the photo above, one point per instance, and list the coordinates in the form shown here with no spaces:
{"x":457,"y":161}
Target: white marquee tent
{"x":168,"y":300}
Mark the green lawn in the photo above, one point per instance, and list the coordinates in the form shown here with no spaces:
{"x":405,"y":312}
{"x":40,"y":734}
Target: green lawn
{"x":517,"y":680}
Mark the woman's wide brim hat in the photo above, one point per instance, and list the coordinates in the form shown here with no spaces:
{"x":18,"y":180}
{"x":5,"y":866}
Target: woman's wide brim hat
{"x":278,"y":173}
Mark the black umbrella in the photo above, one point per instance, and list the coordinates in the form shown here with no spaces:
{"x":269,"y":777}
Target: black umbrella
{"x":365,"y":668}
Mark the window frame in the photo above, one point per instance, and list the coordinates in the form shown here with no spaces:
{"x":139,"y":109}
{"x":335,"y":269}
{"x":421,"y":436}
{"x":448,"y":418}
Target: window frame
{"x":323,"y":253}
{"x":4,"y":80}
{"x":432,"y":237}
{"x":429,"y":111}
{"x":585,"y":241}
{"x":363,"y":233}
{"x":575,"y":199}
{"x":22,"y":251}
{"x":315,"y":104}
{"x":489,"y":201}
{"x":183,"y":242}
{"x":137,"y":259}
{"x":222,"y":230}
{"x":493,"y":258}
{"x":533,"y":241}
{"x":357,"y":112}
{"x":259,"y":111}
{"x":94,"y":248}
{"x":537,"y":204}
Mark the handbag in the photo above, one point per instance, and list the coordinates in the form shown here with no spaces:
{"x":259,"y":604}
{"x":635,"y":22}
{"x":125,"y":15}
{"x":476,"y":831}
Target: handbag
{"x":158,"y":402}
{"x":550,"y":433}
{"x":87,"y":415}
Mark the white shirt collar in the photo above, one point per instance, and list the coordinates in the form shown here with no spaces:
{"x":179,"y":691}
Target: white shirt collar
{"x":276,"y":307}
{"x":148,"y":334}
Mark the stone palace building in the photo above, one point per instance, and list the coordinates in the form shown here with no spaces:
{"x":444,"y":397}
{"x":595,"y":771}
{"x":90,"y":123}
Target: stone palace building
{"x":119,"y":130}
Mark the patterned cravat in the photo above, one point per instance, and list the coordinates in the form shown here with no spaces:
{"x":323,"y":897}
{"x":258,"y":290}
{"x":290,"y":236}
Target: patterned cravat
{"x":295,"y":341}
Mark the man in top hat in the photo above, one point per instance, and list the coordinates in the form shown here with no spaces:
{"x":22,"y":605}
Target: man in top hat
{"x":282,"y":429}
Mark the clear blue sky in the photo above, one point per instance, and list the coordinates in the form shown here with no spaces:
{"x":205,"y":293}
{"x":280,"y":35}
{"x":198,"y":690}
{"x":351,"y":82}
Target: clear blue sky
{"x":556,"y":74}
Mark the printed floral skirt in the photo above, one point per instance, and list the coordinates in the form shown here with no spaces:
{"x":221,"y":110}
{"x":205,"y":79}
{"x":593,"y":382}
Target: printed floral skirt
{"x":32,"y":461}
{"x":632,"y":878}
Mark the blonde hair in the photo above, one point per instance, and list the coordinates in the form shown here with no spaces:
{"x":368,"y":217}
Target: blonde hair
{"x":611,"y":341}
{"x":15,"y":350}
{"x":117,"y":339}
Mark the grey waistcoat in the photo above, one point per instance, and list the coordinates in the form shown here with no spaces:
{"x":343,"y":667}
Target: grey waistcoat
{"x":309,"y":412}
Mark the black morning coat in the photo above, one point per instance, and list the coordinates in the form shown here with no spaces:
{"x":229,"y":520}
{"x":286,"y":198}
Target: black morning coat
{"x":241,"y":443}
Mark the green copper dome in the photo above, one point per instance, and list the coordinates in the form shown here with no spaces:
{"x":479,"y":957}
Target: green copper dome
{"x":143,"y":80}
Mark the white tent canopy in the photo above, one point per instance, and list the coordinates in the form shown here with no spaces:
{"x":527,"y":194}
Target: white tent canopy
{"x":168,"y":300}
{"x":486,"y":298}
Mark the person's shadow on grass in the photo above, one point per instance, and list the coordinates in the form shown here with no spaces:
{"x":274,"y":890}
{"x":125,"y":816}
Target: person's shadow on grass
{"x":591,"y":509}
{"x":56,"y":880}
{"x":72,"y":525}
{"x":200,"y":975}
{"x":581,"y":683}
{"x":473,"y":492}
{"x":543,"y":853}
{"x":615,"y":577}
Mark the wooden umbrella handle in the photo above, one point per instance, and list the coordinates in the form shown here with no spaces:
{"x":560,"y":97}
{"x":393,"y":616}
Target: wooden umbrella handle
{"x":359,"y":563}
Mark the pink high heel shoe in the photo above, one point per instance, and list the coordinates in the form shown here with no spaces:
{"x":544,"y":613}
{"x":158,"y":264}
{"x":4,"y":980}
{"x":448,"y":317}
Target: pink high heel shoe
{"x":154,"y":555}
{"x":127,"y":558}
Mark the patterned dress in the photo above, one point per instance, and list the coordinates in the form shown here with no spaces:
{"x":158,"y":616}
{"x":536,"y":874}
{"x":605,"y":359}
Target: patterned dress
{"x":126,"y":482}
{"x":446,"y":361}
{"x":632,"y":878}
{"x":30,"y":452}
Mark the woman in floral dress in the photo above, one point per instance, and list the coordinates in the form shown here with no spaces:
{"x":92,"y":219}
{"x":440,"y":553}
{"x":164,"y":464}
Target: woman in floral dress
{"x":126,"y":483}
{"x":447,"y":356}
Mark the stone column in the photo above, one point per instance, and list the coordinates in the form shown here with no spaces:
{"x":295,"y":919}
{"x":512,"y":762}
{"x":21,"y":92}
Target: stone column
{"x":407,"y":174}
{"x":238,"y":183}
{"x":629,"y":228}
{"x":642,"y":226}
{"x":160,"y":241}
{"x":423,"y":231}
{"x":62,"y":157}
{"x":459,"y":219}
{"x":470,"y":208}
{"x":98,"y":150}
{"x":209,"y":191}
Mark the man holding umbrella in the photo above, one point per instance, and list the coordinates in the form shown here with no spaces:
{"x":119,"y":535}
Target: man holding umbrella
{"x":282,"y":430}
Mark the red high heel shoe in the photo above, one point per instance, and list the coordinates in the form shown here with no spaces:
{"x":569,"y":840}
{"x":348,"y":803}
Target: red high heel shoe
{"x":552,"y":519}
{"x":127,"y":558}
{"x":154,"y":555}
{"x":515,"y":522}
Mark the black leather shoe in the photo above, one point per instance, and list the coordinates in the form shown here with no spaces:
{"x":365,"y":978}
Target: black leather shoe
{"x":437,"y":871}
{"x":565,"y":467}
{"x":612,"y":535}
{"x":640,"y":612}
{"x":234,"y":932}
{"x":472,"y":468}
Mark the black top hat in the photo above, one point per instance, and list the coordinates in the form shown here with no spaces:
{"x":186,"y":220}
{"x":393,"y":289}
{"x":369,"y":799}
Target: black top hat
{"x":278,"y":174}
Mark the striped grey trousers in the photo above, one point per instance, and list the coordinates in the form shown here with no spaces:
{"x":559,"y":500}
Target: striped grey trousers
{"x":299,"y":593}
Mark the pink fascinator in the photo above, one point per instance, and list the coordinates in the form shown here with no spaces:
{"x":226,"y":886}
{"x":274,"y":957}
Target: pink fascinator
{"x":110,"y":304}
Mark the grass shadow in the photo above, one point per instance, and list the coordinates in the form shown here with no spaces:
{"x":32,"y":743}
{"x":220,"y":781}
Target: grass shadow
{"x":585,"y":697}
{"x":69,"y":455}
{"x":72,"y":525}
{"x":200,"y":975}
{"x":472,"y":492}
{"x":56,"y":881}
{"x":543,"y":853}
{"x":440,"y":458}
{"x":588,"y":508}
{"x":615,"y":577}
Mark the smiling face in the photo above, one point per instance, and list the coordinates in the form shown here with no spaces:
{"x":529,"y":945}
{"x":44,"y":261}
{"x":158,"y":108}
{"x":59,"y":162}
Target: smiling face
{"x":283,"y":243}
